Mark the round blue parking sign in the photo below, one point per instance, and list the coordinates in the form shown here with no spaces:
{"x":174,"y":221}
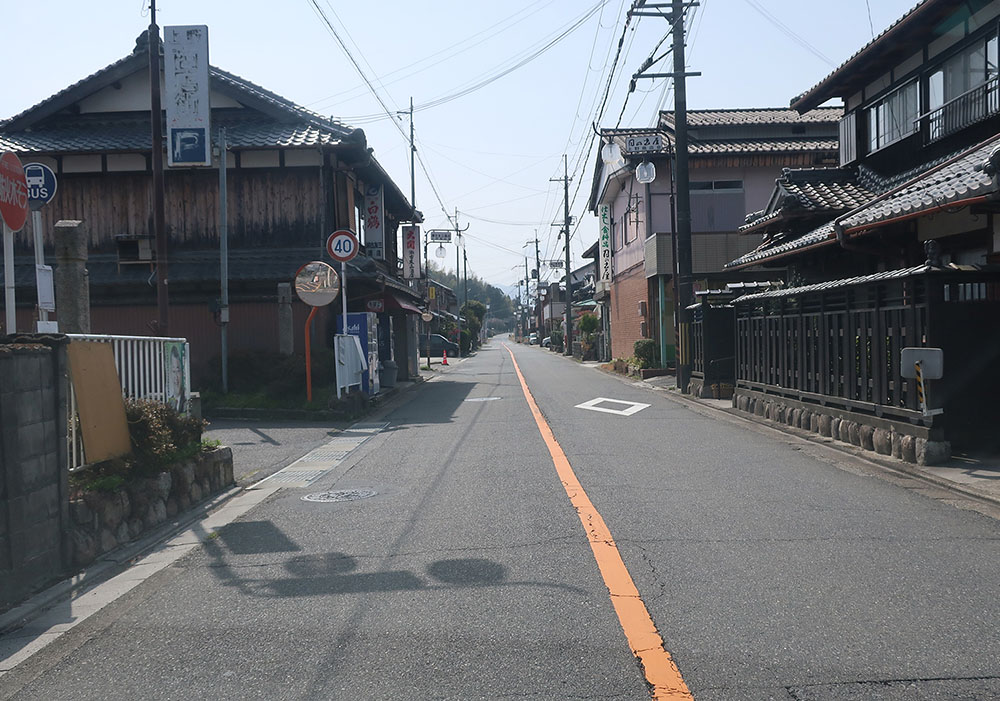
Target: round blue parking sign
{"x":41,"y":184}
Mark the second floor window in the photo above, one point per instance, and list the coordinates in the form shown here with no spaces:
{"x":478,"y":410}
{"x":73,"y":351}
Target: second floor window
{"x":963,"y":89}
{"x":894,"y":117}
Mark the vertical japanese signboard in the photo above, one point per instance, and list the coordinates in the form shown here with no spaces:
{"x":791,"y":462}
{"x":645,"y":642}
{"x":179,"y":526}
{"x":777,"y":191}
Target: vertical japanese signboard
{"x":604,"y":271}
{"x":374,"y":222}
{"x":411,"y":252}
{"x":185,"y":64}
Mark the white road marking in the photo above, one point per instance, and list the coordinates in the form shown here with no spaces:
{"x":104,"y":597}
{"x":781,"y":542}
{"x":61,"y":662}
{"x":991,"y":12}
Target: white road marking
{"x":629,"y":409}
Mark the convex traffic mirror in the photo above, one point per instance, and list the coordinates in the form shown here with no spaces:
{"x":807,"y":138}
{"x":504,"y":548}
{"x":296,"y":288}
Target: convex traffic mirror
{"x":317,"y":284}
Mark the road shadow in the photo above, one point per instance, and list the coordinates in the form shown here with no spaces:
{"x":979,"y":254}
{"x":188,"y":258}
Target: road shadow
{"x":436,"y":403}
{"x":333,"y":573}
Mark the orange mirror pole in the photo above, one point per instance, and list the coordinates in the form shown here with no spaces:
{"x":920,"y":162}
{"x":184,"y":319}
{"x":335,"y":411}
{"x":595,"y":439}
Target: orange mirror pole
{"x":309,"y":379}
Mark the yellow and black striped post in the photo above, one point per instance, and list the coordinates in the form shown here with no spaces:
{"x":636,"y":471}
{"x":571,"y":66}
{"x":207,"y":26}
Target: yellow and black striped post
{"x":920,"y":388}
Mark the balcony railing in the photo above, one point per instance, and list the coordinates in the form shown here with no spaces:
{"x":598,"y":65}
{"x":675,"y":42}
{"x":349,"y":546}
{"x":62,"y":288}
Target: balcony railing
{"x":974,"y":106}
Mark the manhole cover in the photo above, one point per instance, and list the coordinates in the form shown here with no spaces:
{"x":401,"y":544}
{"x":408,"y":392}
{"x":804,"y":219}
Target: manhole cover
{"x":483,"y":399}
{"x":339,"y":495}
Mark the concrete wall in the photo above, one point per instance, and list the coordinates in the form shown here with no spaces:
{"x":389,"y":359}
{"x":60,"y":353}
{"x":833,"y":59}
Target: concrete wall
{"x":33,"y":481}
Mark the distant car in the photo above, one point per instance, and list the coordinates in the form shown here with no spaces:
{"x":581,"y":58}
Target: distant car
{"x":546,"y":342}
{"x":532,"y":339}
{"x":438,"y":343}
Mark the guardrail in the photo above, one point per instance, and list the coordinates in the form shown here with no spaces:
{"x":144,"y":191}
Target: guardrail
{"x":149,"y":367}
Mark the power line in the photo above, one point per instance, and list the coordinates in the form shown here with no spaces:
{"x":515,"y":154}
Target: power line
{"x":469,"y":42}
{"x":585,"y":152}
{"x":437,"y":102}
{"x":385,"y":108}
{"x":787,"y":31}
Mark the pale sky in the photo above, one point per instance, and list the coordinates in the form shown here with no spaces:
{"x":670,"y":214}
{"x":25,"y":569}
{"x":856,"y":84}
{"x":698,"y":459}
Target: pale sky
{"x":492,"y":152}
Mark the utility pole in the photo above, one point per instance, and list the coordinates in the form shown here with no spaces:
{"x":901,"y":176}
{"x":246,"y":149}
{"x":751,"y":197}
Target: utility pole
{"x":527,"y":296}
{"x":682,"y":259}
{"x":683,"y":198}
{"x":568,"y":314}
{"x":538,"y":285}
{"x":156,"y":123}
{"x":413,"y":172}
{"x":224,"y":258}
{"x":458,"y":241}
{"x":465,"y":267}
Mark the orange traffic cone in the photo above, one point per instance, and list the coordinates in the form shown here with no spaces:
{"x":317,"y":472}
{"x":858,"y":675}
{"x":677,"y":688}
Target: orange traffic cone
{"x":444,"y":357}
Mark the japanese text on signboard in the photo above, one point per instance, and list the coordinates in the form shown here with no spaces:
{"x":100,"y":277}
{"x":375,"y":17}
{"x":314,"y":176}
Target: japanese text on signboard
{"x":604,"y":214}
{"x":374,"y":214}
{"x":185,"y":62}
{"x":411,"y":252}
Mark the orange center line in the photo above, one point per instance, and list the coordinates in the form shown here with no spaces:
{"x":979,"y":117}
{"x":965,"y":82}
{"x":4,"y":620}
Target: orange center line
{"x":640,"y":631}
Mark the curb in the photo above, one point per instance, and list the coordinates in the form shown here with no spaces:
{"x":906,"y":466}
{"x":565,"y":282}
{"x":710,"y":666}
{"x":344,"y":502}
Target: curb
{"x":109,"y":565}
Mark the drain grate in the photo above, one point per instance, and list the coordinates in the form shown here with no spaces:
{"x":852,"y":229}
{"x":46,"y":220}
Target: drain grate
{"x":339,"y":495}
{"x":327,"y":454}
{"x":297,"y":475}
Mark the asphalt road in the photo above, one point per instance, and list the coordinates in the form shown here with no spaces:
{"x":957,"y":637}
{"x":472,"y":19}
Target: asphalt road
{"x":770,"y":567}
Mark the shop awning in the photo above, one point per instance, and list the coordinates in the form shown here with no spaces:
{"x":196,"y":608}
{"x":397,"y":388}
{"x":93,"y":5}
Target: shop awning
{"x":394,"y":302}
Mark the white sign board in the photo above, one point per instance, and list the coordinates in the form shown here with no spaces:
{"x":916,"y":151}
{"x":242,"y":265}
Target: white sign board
{"x":411,"y":252}
{"x":43,"y":282}
{"x":604,"y":237}
{"x":931,"y":363}
{"x":185,"y":64}
{"x":555,"y":264}
{"x":441,"y":236}
{"x":374,"y":219}
{"x":643,"y":143}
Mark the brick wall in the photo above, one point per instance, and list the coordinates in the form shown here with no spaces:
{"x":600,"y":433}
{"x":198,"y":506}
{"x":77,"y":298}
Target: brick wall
{"x":33,"y":482}
{"x":627,"y":291}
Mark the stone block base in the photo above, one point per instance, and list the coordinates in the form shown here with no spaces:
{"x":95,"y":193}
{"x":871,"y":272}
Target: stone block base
{"x":881,"y":436}
{"x":103,"y":521}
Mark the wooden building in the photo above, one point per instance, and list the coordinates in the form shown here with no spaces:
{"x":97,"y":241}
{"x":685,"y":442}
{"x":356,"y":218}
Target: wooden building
{"x":294,"y":177}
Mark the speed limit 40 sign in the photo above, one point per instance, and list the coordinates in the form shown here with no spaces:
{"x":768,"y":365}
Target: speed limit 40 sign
{"x":342,"y":245}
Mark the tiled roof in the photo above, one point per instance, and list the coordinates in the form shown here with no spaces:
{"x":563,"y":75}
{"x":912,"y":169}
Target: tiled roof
{"x":947,"y":183}
{"x":836,"y":284}
{"x":763,"y":115}
{"x":276,"y":121}
{"x":247,"y":87}
{"x":958,"y":179}
{"x":769,"y":145}
{"x":805,"y":192}
{"x":133,"y":134}
{"x":827,"y":196}
{"x":778,"y":245}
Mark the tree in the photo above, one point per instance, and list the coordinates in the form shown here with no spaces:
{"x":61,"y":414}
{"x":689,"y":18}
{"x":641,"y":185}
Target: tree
{"x":474,"y":312}
{"x":501,"y":306}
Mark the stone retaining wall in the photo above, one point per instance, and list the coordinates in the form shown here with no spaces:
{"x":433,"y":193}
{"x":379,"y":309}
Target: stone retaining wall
{"x":912,"y":443}
{"x":102,"y":521}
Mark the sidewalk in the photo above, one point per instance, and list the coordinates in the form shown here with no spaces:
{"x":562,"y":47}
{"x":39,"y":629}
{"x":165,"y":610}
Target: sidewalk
{"x":977,"y":476}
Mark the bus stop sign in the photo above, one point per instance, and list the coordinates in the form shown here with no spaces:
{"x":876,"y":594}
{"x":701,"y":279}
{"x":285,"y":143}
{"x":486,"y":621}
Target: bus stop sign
{"x":41,"y":184}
